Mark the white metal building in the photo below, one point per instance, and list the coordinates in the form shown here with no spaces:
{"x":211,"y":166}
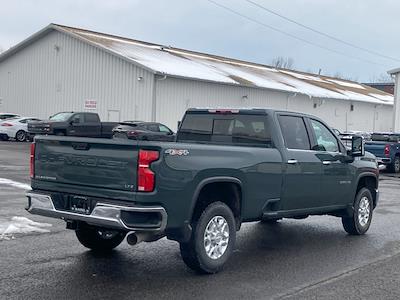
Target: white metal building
{"x":396,"y":109}
{"x":62,"y":69}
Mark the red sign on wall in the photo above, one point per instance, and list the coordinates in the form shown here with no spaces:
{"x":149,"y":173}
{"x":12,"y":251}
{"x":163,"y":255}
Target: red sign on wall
{"x":90,"y":104}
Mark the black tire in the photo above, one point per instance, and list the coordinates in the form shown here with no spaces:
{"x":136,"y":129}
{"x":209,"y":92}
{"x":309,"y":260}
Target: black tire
{"x":395,"y":166}
{"x":4,"y":138}
{"x":99,"y":239}
{"x":352,"y":225}
{"x":60,"y":133}
{"x":20,"y":136}
{"x":194,"y":252}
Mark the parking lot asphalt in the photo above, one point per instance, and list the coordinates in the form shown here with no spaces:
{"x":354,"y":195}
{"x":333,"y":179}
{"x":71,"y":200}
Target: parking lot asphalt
{"x":295,"y":259}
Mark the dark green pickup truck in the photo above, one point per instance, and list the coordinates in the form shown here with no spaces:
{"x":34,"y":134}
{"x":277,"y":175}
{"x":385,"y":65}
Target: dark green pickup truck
{"x":226,"y":167}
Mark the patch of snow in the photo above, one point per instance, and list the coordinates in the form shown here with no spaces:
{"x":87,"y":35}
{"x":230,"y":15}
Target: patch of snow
{"x":19,"y":225}
{"x":9,"y":182}
{"x":346,"y":83}
{"x":303,"y":76}
{"x":387,"y":98}
{"x":192,"y":65}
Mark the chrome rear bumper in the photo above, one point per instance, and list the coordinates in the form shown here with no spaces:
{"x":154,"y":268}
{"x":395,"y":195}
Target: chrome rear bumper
{"x":103,"y":214}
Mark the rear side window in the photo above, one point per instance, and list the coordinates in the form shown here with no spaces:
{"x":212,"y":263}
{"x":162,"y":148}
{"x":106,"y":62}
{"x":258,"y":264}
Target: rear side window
{"x":91,"y":118}
{"x":294,"y":132}
{"x":153,"y":127}
{"x":226,"y":129}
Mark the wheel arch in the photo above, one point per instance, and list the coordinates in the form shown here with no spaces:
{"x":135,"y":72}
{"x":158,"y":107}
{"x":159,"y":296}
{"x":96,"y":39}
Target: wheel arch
{"x":370,"y":181}
{"x":235,"y":186}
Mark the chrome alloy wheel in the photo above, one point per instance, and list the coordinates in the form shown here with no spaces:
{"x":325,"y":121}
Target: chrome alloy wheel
{"x":216,"y":237}
{"x":363,"y":211}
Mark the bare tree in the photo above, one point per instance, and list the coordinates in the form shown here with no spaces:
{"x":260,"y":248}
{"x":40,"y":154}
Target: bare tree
{"x":345,"y":77}
{"x":381,"y":78}
{"x":283,"y":62}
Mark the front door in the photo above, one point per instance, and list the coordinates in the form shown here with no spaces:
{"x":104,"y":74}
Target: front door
{"x":303,"y":169}
{"x":336,"y":172}
{"x":77,"y":127}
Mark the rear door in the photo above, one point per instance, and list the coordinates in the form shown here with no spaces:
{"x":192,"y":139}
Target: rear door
{"x":303,"y":169}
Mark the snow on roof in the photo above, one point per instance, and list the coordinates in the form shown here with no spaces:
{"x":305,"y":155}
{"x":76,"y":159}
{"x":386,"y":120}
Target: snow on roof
{"x":193,"y":65}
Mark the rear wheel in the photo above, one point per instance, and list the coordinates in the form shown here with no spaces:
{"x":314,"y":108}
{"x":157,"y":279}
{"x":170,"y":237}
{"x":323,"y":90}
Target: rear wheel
{"x":212,"y":240}
{"x":60,"y":133}
{"x":99,"y":239}
{"x":20,"y":136}
{"x":395,"y":166}
{"x":360,"y":221}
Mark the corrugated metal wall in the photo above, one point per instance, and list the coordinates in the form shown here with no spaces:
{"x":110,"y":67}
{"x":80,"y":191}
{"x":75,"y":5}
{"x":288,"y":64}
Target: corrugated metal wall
{"x":175,"y":95}
{"x":58,"y":73}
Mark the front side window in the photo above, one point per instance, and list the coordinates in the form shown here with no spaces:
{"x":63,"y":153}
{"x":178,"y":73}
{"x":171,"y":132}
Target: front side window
{"x":294,"y":132}
{"x":164,"y":129}
{"x":77,"y":118}
{"x":325,"y":139}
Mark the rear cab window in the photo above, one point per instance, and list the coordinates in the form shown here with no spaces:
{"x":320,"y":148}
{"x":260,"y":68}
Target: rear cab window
{"x":239,"y":129}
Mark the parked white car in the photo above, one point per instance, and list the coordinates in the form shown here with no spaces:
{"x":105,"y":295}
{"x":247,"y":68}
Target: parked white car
{"x":15,"y":128}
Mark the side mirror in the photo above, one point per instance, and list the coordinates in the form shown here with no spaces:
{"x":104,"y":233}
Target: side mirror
{"x":357,"y":146}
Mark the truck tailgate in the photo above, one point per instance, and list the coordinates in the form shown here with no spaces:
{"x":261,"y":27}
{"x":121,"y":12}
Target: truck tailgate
{"x":376,"y":148}
{"x":86,"y":162}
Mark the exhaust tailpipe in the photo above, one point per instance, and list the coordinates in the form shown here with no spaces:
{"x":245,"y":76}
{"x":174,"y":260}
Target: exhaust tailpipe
{"x":134,"y":238}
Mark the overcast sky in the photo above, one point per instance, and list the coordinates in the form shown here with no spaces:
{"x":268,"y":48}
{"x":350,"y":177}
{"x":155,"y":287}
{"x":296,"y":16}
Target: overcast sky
{"x":200,"y":25}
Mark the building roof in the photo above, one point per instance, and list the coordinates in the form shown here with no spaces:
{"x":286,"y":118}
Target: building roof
{"x":394,"y":71}
{"x":175,"y":62}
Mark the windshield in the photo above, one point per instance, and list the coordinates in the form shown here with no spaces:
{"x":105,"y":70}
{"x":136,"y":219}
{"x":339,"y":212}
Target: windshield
{"x":63,"y":116}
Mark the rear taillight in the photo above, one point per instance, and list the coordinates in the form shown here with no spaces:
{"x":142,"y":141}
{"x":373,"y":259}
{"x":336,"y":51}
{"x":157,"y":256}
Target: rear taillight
{"x":7,"y":124}
{"x":132,"y":133}
{"x":387,"y":150}
{"x":32,"y":161}
{"x":146,"y":177}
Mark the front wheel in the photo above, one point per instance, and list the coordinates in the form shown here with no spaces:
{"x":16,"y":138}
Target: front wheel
{"x":212,"y":241}
{"x":20,"y":136}
{"x":360,"y":221}
{"x":99,"y":239}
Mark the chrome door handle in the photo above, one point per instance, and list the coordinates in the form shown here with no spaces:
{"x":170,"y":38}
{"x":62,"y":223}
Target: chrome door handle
{"x":292,"y":161}
{"x":326,"y":162}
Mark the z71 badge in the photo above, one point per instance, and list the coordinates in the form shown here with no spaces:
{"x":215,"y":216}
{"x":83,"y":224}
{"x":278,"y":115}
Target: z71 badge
{"x":178,"y":152}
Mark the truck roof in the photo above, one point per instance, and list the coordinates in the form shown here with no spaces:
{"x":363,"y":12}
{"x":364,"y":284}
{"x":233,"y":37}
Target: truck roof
{"x":246,"y":110}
